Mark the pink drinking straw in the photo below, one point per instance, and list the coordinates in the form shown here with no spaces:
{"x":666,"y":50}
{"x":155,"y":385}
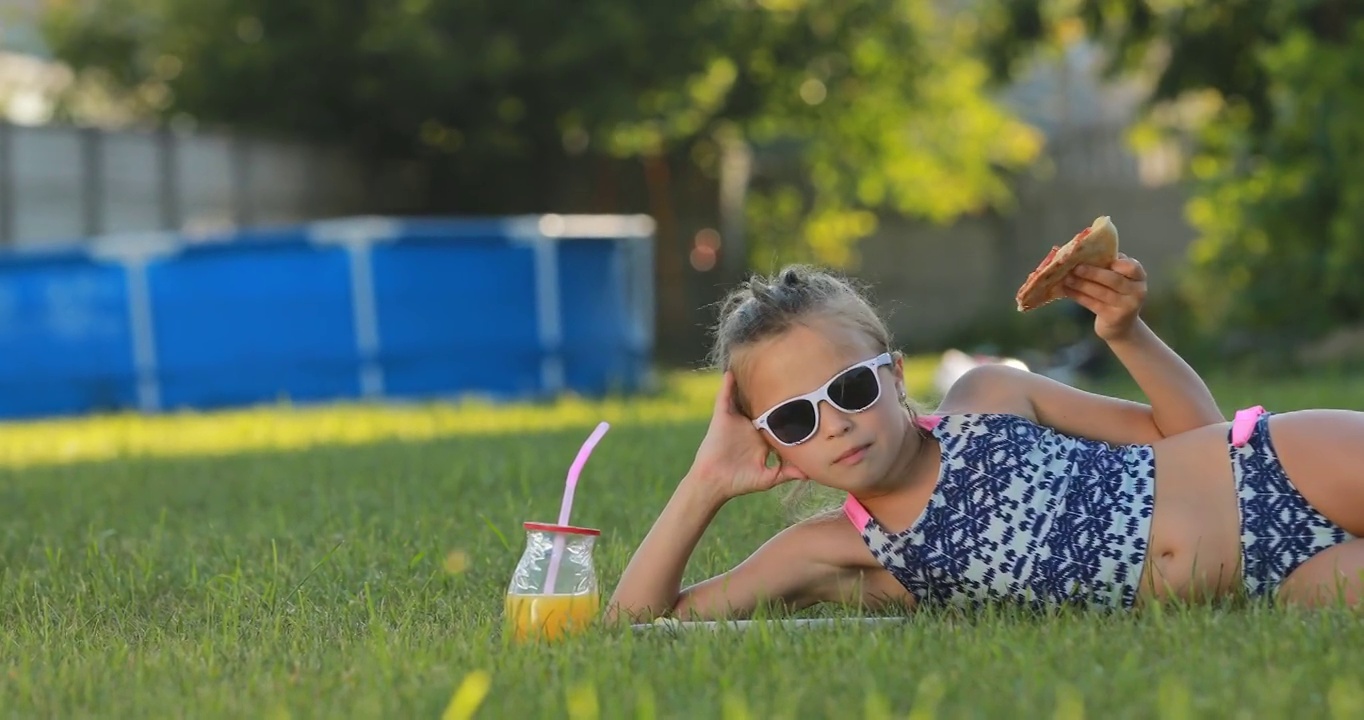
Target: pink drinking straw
{"x":564,"y":508}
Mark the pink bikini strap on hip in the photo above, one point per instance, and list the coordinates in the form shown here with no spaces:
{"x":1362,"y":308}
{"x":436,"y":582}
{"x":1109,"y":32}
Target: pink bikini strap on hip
{"x":1244,"y":424}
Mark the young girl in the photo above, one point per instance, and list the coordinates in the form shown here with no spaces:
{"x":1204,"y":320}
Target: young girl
{"x":1018,"y":488}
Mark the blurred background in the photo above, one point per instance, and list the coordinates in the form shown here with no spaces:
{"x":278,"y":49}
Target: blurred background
{"x":218,"y":202}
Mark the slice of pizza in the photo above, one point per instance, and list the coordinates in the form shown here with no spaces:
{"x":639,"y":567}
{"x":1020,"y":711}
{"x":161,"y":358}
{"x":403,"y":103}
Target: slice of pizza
{"x":1095,"y":245}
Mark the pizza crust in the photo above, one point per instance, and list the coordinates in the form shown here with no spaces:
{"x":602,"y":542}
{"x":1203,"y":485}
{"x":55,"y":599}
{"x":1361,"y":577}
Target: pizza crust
{"x":1095,"y":245}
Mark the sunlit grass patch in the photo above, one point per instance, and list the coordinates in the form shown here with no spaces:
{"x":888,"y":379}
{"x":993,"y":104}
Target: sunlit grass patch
{"x":682,"y":396}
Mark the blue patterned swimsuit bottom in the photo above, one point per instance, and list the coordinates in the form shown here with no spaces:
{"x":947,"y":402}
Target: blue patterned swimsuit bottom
{"x":1024,"y":514}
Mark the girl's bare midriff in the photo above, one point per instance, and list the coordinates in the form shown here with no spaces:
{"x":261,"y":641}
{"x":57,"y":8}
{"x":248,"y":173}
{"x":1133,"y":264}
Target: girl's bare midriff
{"x":1195,"y":547}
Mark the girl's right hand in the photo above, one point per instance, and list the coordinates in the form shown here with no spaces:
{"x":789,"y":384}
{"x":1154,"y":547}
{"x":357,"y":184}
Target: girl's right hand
{"x":732,"y":458}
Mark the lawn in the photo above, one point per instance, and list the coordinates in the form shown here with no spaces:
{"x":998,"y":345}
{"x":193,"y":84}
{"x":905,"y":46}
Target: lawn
{"x":351,"y":562}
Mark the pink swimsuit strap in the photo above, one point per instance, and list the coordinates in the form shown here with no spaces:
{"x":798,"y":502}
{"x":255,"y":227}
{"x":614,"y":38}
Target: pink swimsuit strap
{"x":1244,"y":424}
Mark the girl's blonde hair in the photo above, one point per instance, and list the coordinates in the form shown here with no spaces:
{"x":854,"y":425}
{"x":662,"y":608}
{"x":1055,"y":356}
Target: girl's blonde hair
{"x":763,"y":307}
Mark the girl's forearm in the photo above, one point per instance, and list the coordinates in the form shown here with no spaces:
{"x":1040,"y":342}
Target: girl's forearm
{"x":1180,"y":400}
{"x":652,"y":581}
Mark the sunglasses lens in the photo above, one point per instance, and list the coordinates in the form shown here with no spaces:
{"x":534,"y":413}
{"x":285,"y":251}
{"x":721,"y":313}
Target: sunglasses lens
{"x":855,"y":390}
{"x":793,"y":421}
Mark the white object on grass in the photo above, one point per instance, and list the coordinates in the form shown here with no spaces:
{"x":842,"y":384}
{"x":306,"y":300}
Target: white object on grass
{"x":955,"y":363}
{"x":666,"y":624}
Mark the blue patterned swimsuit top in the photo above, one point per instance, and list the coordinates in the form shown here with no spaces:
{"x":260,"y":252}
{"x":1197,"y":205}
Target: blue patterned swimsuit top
{"x":1022,"y":514}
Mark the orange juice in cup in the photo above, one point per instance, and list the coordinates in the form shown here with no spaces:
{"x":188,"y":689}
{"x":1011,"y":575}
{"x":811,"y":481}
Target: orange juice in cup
{"x":553,"y":591}
{"x":549,"y":617}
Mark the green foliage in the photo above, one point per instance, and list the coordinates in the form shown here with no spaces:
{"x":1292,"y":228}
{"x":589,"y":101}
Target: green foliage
{"x":1267,"y":95}
{"x":893,"y":118}
{"x":877,"y":98}
{"x":1282,"y":246}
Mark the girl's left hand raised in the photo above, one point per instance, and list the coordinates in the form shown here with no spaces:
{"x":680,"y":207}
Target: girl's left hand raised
{"x":1114,"y":294}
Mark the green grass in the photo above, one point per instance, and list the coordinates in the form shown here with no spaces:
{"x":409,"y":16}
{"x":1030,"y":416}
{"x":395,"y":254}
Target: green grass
{"x":312,"y":583}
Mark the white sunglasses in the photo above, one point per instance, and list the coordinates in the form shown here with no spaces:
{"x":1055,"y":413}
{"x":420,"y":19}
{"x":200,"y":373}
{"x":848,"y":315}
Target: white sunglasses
{"x":852,"y":390}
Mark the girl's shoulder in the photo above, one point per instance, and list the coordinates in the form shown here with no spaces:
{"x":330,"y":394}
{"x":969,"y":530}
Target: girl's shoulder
{"x":988,"y":390}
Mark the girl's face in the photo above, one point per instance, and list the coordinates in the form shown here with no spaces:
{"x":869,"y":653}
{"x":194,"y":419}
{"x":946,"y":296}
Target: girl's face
{"x":850,"y":448}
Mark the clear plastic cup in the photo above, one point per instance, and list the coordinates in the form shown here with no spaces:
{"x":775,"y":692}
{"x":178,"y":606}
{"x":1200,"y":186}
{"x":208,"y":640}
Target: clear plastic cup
{"x":534,"y":611}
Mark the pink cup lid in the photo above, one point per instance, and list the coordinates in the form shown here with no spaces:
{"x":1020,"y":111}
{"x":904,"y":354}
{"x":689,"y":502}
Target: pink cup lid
{"x":567,"y":529}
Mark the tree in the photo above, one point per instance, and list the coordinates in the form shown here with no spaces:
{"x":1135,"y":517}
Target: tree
{"x":877,"y":98}
{"x":1267,"y":93}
